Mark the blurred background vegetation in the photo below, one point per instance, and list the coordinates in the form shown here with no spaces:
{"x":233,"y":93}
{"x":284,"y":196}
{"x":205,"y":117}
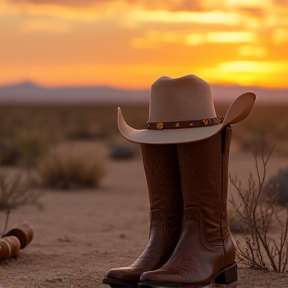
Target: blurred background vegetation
{"x":31,"y":136}
{"x":70,"y":146}
{"x":26,"y":131}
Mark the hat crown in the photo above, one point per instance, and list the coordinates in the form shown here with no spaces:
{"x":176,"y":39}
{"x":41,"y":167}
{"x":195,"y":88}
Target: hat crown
{"x":180,"y":99}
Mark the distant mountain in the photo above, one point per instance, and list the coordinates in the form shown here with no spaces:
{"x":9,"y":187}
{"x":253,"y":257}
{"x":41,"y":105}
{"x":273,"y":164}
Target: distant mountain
{"x":264,"y":95}
{"x":28,"y":92}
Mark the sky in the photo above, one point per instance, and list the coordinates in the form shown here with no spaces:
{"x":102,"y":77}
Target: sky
{"x":131,"y":43}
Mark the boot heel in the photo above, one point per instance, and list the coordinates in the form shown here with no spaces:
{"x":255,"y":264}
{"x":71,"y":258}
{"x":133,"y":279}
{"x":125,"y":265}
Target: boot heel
{"x":227,"y":275}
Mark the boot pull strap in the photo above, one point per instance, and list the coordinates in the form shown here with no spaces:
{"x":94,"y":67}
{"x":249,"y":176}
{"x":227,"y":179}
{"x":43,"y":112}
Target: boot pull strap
{"x":226,"y":139}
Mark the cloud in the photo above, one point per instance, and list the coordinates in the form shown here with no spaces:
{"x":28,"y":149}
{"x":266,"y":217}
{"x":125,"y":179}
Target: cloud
{"x":72,"y":10}
{"x":221,"y":37}
{"x":176,"y":5}
{"x":172,"y":5}
{"x":280,"y":2}
{"x":253,"y":67}
{"x":256,"y":73}
{"x":48,"y":26}
{"x":152,"y":39}
{"x":68,"y":3}
{"x":257,"y":12}
{"x":252,"y":50}
{"x":280,"y":36}
{"x":214,"y":17}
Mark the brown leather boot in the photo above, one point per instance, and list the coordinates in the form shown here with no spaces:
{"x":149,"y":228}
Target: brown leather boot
{"x":205,"y":252}
{"x":166,"y":204}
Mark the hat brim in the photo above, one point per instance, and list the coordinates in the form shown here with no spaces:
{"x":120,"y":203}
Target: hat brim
{"x":237,"y":112}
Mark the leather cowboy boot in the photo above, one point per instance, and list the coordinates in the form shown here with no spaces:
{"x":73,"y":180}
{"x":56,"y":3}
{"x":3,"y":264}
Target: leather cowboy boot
{"x":166,"y":206}
{"x":205,"y":252}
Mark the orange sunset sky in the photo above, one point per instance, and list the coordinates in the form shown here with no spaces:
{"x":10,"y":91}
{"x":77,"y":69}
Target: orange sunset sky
{"x":131,"y":43}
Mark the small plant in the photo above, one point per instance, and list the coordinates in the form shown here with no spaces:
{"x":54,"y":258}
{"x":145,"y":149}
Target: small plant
{"x":14,"y":191}
{"x":8,"y":155}
{"x":122,"y":152}
{"x":71,"y":166}
{"x":259,"y":248}
{"x":31,"y":146}
{"x":235,"y":223}
{"x":280,"y":181}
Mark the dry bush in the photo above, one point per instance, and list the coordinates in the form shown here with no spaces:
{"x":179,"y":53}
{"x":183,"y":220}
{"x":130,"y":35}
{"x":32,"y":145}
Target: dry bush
{"x":16,"y":191}
{"x":235,"y":223}
{"x":258,"y":247}
{"x":93,"y":121}
{"x":262,"y":125}
{"x":122,"y":151}
{"x":31,"y":145}
{"x":280,"y":181}
{"x":71,"y":166}
{"x":9,"y":155}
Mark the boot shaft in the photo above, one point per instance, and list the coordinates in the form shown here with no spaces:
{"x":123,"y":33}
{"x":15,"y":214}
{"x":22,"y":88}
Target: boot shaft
{"x":164,"y":184}
{"x":204,"y":180}
{"x":163,"y":177}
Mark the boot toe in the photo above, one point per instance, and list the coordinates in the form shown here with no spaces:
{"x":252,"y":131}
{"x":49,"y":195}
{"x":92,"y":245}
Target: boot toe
{"x":124,"y":274}
{"x":161,"y":276}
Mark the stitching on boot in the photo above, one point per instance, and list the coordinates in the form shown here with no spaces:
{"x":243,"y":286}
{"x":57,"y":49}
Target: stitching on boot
{"x":164,"y":220}
{"x":201,"y":225}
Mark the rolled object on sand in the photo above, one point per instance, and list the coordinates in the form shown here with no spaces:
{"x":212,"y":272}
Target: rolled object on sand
{"x":14,"y":243}
{"x":5,"y":250}
{"x":23,"y":231}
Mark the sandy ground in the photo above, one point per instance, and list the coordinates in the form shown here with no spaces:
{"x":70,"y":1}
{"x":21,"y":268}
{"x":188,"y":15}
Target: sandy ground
{"x":81,"y":234}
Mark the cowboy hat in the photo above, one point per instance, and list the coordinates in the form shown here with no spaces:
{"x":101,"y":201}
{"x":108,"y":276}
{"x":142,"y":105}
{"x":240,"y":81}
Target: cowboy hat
{"x":181,"y":110}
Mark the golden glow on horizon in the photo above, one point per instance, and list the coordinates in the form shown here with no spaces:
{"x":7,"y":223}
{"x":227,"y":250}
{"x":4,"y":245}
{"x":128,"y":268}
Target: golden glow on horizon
{"x":214,"y":17}
{"x":248,"y":3}
{"x":131,"y":43}
{"x":252,"y":66}
{"x":153,"y":38}
{"x":58,"y":27}
{"x":221,"y":37}
{"x":248,"y":50}
{"x":280,"y":36}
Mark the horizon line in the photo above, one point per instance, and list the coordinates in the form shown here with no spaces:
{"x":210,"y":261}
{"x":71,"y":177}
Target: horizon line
{"x":35,"y":84}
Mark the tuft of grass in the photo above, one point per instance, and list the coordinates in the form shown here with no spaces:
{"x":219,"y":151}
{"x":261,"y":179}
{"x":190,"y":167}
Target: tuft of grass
{"x":122,"y":152}
{"x":16,"y":191}
{"x":280,"y":181}
{"x":9,"y":156}
{"x":235,"y":224}
{"x":71,"y":166}
{"x":31,"y":145}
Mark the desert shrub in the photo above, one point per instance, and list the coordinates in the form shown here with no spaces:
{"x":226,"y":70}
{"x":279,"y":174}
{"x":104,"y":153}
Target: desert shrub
{"x":8,"y":155}
{"x":31,"y":145}
{"x":121,"y":152}
{"x":16,"y":191}
{"x":86,"y":132}
{"x":280,"y":180}
{"x":235,"y":223}
{"x":71,"y":166}
{"x":259,"y":247}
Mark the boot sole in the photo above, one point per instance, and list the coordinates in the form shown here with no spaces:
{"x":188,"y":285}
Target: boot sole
{"x":226,"y":276}
{"x":118,"y":283}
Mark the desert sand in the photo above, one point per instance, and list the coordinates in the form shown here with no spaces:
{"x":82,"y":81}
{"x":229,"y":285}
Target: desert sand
{"x":80,"y":234}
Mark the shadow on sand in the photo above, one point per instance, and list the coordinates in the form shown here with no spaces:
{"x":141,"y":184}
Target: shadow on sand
{"x":232,"y":285}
